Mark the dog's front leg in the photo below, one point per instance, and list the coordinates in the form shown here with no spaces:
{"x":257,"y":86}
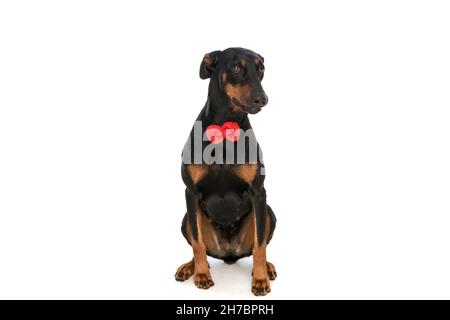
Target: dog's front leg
{"x":260,"y":281}
{"x":202,"y":276}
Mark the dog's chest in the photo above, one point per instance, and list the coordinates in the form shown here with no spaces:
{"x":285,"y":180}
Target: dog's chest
{"x":228,"y":178}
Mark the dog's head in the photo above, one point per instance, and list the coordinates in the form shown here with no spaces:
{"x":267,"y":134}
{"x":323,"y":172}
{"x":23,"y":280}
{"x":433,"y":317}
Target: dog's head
{"x":239,"y":73}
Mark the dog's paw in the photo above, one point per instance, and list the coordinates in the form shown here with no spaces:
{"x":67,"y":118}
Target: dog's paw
{"x":203,"y":280}
{"x":260,"y":287}
{"x":271,"y":271}
{"x":185,"y":271}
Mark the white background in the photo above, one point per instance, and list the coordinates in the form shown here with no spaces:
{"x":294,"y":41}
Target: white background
{"x":97,"y":99}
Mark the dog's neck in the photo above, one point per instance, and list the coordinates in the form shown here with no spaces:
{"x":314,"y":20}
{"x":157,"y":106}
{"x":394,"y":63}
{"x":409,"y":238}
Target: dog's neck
{"x":219,"y":108}
{"x":218,"y":113}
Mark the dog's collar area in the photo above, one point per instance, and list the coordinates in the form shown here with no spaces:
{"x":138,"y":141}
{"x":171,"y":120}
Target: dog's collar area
{"x":229,"y":130}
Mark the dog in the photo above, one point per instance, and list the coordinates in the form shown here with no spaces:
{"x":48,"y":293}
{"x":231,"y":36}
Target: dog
{"x":227,"y":215}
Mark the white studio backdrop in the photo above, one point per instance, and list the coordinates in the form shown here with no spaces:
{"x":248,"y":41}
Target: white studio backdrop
{"x":97,"y":99}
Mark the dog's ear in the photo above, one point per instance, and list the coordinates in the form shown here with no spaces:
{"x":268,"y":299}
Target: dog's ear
{"x":208,"y":64}
{"x":260,"y":57}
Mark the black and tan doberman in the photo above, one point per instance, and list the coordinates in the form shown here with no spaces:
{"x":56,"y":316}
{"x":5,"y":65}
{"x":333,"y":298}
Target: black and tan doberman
{"x":227,"y":214}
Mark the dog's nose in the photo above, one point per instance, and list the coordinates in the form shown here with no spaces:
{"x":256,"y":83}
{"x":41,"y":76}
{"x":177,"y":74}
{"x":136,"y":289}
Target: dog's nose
{"x":259,"y":99}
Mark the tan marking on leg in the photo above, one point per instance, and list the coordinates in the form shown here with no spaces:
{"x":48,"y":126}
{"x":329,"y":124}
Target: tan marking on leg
{"x":247,"y":172}
{"x":202,"y":276}
{"x":260,"y":281}
{"x":197,"y":172}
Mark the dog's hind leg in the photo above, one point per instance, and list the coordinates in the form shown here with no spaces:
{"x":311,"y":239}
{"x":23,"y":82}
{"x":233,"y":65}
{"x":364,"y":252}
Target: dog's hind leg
{"x":185,"y":271}
{"x":271,"y":271}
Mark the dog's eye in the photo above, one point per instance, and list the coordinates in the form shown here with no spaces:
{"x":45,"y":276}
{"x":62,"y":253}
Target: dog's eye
{"x":236,"y":68}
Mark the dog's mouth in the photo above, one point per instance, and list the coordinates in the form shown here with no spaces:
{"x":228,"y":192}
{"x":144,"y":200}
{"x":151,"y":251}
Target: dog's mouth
{"x":251,"y":110}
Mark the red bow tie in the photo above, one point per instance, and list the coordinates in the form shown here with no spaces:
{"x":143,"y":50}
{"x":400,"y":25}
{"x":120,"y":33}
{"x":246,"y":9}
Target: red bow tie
{"x":230,"y":130}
